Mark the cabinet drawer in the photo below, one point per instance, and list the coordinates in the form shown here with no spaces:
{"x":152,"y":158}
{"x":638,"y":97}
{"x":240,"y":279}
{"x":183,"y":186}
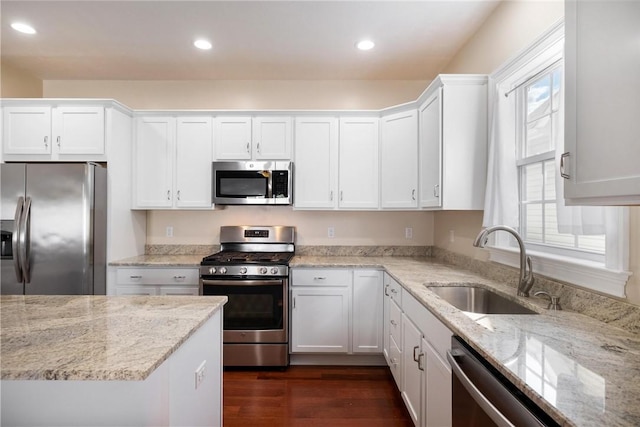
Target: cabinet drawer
{"x":435,"y":332}
{"x":320,"y":277}
{"x":393,"y":289}
{"x":157,"y":276}
{"x":395,"y":323}
{"x":395,"y":362}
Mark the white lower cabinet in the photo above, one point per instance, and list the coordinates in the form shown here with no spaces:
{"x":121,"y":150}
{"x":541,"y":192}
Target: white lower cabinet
{"x":156,"y":281}
{"x":332,"y":311}
{"x":416,"y":343}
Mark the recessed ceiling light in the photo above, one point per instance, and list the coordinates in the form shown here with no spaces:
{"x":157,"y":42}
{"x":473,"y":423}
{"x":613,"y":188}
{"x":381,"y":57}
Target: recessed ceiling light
{"x":23,"y":28}
{"x":365,"y":45}
{"x":202,"y":44}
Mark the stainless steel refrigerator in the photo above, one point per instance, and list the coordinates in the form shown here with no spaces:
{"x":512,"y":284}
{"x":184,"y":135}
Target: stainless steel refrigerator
{"x":54,"y":228}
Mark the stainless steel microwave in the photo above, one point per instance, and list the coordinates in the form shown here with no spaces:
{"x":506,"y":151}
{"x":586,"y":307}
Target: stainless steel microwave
{"x":252,"y":183}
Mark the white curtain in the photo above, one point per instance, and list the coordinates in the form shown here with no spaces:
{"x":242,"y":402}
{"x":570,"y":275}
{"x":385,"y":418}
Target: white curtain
{"x":501,"y":196}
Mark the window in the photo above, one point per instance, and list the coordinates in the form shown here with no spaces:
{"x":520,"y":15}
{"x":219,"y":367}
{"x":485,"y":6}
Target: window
{"x":524,"y":189}
{"x":539,"y":118}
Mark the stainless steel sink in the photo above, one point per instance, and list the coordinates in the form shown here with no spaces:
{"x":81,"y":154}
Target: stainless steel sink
{"x":476,"y":299}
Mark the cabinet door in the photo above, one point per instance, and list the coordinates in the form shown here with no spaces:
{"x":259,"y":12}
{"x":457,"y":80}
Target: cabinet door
{"x":194,"y":148}
{"x":437,"y":389}
{"x":430,"y":150}
{"x":320,"y":320}
{"x":27,"y":130}
{"x":78,"y":130}
{"x":399,"y":160}
{"x":358,"y":163}
{"x":315,"y":162}
{"x":602,"y":130}
{"x":233,"y":138}
{"x":153,"y":161}
{"x":272,"y":138}
{"x":367,"y":311}
{"x":411,"y":369}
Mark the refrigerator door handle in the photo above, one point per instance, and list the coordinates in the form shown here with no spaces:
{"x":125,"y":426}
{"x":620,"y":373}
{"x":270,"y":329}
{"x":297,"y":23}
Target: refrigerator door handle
{"x":25,"y":249}
{"x":15,"y":239}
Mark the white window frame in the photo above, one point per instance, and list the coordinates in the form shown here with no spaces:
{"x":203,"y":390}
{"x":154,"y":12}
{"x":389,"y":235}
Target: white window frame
{"x":608,"y":277}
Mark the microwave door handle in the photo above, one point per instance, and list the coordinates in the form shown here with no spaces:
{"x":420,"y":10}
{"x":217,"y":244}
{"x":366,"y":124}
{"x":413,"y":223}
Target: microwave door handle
{"x":15,"y":239}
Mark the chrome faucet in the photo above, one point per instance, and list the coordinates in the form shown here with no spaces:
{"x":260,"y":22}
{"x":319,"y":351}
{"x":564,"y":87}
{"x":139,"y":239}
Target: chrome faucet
{"x":526,"y":277}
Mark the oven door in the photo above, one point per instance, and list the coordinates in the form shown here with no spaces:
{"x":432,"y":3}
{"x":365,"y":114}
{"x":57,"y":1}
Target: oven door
{"x":256,"y":311}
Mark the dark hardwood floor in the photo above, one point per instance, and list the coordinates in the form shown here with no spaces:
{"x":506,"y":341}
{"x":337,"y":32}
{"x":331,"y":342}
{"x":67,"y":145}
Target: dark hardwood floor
{"x":333,"y":396}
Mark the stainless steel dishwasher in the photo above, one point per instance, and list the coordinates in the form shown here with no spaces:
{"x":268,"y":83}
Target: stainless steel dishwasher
{"x":483,"y":397}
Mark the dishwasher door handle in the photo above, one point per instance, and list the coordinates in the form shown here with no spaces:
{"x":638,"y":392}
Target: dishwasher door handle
{"x":476,"y":394}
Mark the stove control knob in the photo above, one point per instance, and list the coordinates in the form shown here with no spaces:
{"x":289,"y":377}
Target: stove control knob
{"x":212,"y":270}
{"x":274,"y":270}
{"x":223,"y":270}
{"x":243,"y":270}
{"x":263,"y":270}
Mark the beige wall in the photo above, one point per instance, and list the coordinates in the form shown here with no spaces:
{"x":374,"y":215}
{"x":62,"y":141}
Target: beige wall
{"x":351,"y":228}
{"x":244,"y":94}
{"x":15,"y":83}
{"x":511,"y":28}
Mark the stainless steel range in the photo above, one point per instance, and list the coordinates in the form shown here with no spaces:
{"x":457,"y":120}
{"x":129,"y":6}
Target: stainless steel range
{"x":252,"y":270}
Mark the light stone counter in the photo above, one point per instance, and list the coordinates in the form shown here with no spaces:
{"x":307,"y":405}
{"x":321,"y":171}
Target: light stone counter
{"x":95,"y":337}
{"x":153,"y":260}
{"x":581,"y":371}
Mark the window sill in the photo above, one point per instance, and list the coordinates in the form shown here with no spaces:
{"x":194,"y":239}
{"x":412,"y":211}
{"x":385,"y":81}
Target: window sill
{"x":586,"y":274}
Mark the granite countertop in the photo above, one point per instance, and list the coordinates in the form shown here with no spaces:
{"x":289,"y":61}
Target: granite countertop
{"x":159,"y":261}
{"x":95,"y":337}
{"x":580,"y":370}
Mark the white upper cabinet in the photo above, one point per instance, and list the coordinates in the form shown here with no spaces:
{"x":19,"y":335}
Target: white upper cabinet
{"x":453,"y":143}
{"x":172,"y":162}
{"x":358,"y":163}
{"x":399,"y":160}
{"x":44,"y":132}
{"x":257,"y":138}
{"x":316,"y":163}
{"x":602,"y":130}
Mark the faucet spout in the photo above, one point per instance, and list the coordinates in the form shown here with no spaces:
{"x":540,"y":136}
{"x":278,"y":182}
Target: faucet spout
{"x":526,"y":272}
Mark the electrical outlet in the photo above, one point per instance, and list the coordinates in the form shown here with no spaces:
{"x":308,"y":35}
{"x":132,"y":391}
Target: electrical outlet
{"x":169,"y":231}
{"x":331,"y":232}
{"x":200,"y":373}
{"x":408,"y":233}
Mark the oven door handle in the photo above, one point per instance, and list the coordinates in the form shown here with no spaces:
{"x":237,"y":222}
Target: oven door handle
{"x":226,"y":282}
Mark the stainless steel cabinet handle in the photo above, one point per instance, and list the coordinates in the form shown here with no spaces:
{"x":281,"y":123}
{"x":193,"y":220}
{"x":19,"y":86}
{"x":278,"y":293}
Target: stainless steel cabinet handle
{"x":393,"y":322}
{"x":563,"y":173}
{"x":319,"y":278}
{"x":476,"y":394}
{"x":436,"y":190}
{"x":415,"y":357}
{"x":331,"y":195}
{"x":179,"y":277}
{"x":178,"y":194}
{"x":386,"y":288}
{"x":341,"y":195}
{"x":135,"y":277}
{"x":394,"y":361}
{"x":46,"y":141}
{"x":58,"y":140}
{"x":258,"y":147}
{"x":394,"y":291}
{"x":420,"y":359}
{"x":15,"y":239}
{"x":247,"y":147}
{"x":294,"y":303}
{"x":168,"y":194}
{"x":25,"y":240}
{"x":413,"y":194}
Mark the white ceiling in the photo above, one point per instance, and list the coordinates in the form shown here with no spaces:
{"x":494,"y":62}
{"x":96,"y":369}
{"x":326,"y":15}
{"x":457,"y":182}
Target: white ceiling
{"x":288,"y":40}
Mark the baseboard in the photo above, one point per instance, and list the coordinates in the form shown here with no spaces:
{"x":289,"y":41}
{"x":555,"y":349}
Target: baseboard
{"x":338,"y":359}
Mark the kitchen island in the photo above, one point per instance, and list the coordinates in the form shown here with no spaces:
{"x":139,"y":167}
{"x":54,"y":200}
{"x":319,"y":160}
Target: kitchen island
{"x":99,"y":360}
